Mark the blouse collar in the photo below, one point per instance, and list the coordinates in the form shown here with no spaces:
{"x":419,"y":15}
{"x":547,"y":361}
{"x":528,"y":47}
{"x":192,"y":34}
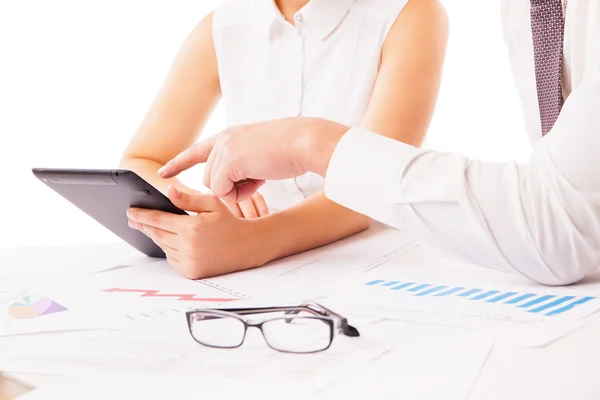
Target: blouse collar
{"x":320,"y":17}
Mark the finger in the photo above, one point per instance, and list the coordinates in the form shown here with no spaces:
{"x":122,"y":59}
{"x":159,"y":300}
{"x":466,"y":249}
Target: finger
{"x":171,"y":251}
{"x":139,"y":227}
{"x":216,"y":165}
{"x":173,"y":262}
{"x":222,"y":186}
{"x":193,"y":202}
{"x":196,"y":154}
{"x":158,"y":219}
{"x":246,"y":189}
{"x":248,"y":208}
{"x":235,"y":209}
{"x":160,"y":237}
{"x":260,"y":204}
{"x":209,"y":167}
{"x":166,"y":249}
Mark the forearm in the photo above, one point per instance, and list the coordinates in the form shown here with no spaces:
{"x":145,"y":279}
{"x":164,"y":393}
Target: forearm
{"x":539,"y":219}
{"x":147,"y":169}
{"x":180,"y":109}
{"x":315,"y":222}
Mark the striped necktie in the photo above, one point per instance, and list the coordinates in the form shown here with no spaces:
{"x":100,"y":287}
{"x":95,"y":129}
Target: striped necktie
{"x":547,"y":26}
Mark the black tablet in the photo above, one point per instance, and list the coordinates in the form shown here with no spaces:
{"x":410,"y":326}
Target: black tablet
{"x":105,"y":195}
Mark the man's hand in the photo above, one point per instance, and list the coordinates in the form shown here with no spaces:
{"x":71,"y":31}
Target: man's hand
{"x":240,"y":159}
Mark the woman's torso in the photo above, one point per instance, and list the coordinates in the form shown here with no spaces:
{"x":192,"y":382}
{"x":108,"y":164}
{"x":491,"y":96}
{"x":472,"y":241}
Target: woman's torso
{"x":325,"y":67}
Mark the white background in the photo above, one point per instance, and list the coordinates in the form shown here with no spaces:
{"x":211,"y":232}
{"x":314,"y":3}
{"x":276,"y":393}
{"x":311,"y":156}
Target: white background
{"x":76,"y":78}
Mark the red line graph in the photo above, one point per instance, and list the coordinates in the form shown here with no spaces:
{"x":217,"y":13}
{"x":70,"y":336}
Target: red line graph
{"x":179,"y":297}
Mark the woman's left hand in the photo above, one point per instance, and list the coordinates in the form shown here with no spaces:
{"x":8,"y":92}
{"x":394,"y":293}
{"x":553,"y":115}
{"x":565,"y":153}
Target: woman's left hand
{"x":254,"y":207}
{"x":213,"y":242}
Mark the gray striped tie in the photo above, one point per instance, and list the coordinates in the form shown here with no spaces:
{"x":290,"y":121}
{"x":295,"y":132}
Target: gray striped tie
{"x":547,"y":26}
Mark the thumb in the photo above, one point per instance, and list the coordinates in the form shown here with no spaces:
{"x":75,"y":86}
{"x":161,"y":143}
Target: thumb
{"x":246,"y":189}
{"x":193,"y":202}
{"x":196,"y":154}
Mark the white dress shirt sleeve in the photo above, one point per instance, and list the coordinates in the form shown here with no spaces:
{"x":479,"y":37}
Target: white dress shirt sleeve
{"x":540,"y":219}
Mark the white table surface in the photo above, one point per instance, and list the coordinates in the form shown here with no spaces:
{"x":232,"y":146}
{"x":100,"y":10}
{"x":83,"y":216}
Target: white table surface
{"x":567,"y":369}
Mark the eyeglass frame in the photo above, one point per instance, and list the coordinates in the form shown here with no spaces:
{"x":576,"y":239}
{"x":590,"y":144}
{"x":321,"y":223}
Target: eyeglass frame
{"x":321,"y":313}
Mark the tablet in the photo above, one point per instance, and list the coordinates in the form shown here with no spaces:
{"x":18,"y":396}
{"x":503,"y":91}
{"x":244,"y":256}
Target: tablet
{"x":105,"y":195}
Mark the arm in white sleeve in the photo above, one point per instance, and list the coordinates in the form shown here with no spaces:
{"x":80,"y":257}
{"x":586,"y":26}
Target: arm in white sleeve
{"x":541,"y":219}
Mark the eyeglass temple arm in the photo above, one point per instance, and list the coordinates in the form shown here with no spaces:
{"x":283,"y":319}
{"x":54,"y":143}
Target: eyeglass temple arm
{"x":349,"y":330}
{"x":345,"y":327}
{"x":311,"y":307}
{"x":264,"y":310}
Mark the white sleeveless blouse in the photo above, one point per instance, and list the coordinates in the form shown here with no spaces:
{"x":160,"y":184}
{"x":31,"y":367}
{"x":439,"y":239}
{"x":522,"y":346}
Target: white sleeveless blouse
{"x":325,"y":65}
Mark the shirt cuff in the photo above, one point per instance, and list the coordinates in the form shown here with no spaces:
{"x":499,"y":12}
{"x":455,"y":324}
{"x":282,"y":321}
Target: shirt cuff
{"x":365,"y":171}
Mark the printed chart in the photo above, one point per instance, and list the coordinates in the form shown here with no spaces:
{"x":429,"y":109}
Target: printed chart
{"x":520,"y":314}
{"x":535,"y":303}
{"x":34,"y":306}
{"x":138,"y":303}
{"x":174,"y":296}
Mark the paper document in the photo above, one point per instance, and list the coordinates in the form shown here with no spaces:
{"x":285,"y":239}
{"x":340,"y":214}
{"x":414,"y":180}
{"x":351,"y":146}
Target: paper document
{"x":107,"y":300}
{"x":127,"y":326}
{"x":23,"y":266}
{"x":222,"y":389}
{"x":411,"y":355}
{"x":435,"y":364}
{"x":119,"y":296}
{"x":24,"y":312}
{"x":318,"y":269}
{"x":520,"y":313}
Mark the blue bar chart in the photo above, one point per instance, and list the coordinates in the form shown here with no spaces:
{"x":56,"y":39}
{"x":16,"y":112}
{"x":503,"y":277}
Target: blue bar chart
{"x":546,"y":304}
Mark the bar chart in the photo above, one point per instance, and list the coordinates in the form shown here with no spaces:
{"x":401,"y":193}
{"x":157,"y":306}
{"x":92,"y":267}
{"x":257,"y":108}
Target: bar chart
{"x":547,"y":304}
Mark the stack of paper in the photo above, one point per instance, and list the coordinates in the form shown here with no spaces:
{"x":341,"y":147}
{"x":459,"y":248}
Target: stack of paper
{"x":387,"y":353}
{"x":126,"y":325}
{"x":426,"y":324}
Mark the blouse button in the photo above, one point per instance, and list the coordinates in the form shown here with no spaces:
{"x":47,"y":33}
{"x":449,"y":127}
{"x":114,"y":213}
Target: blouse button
{"x":298,"y":18}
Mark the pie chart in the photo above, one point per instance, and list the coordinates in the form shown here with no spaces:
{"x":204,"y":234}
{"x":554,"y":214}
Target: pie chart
{"x":34,"y":306}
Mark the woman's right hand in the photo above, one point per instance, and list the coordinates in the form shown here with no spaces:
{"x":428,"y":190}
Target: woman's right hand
{"x":254,"y":207}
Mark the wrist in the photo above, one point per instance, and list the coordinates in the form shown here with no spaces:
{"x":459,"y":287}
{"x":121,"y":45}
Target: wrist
{"x":317,"y":144}
{"x":263,"y":246}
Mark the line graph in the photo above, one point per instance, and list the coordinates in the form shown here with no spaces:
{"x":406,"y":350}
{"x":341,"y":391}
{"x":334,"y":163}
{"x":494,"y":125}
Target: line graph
{"x":175,"y":296}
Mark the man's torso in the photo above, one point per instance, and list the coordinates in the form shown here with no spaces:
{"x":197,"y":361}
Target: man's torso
{"x":581,"y":51}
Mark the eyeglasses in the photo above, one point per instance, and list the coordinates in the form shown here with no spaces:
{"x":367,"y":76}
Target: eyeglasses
{"x":309,"y":328}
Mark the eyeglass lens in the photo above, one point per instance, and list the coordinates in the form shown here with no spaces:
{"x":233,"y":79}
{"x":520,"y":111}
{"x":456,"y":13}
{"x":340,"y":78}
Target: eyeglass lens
{"x":216,"y":330}
{"x":300,"y":334}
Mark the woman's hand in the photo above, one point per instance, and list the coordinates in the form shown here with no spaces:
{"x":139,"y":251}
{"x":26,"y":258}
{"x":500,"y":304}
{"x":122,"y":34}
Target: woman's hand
{"x":213,"y":242}
{"x":255,"y":207}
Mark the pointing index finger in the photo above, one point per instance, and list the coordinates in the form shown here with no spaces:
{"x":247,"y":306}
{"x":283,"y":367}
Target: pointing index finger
{"x":196,"y":154}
